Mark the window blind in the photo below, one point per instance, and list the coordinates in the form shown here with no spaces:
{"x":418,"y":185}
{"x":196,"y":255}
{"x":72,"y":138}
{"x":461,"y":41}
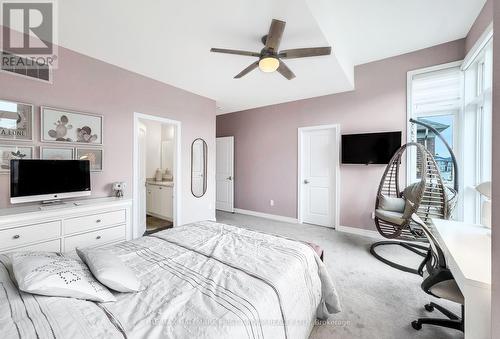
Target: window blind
{"x":437,"y":90}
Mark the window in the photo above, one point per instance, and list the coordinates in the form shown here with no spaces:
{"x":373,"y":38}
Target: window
{"x":445,"y":125}
{"x":477,"y":129}
{"x":435,"y":98}
{"x":455,"y":99}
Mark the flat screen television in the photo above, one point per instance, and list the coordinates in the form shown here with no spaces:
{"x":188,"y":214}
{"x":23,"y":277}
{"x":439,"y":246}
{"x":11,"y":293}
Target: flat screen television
{"x":370,"y":148}
{"x":45,"y":180}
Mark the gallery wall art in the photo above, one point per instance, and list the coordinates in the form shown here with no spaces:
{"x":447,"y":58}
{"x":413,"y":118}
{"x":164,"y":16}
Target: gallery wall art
{"x":56,"y":153}
{"x":16,"y":121}
{"x":63,"y":126}
{"x":9,"y":152}
{"x":81,"y":132}
{"x":94,"y":155}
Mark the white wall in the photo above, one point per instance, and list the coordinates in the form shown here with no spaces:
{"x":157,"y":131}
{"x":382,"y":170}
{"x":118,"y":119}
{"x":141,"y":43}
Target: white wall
{"x":168,"y":138}
{"x":153,"y":146}
{"x":158,"y":133}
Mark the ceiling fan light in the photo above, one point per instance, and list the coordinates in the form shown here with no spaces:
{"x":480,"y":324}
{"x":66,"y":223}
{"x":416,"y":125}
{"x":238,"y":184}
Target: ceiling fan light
{"x":269,"y":64}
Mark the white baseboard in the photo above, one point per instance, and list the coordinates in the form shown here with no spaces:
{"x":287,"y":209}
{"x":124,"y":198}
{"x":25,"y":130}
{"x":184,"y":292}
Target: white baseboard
{"x":346,"y":229}
{"x":266,"y":215}
{"x":360,"y":231}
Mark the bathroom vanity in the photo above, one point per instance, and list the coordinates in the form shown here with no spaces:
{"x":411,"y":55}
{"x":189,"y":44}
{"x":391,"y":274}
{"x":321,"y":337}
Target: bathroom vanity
{"x":159,"y":199}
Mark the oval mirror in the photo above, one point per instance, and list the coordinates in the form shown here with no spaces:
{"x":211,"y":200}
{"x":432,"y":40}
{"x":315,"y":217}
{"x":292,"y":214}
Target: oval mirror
{"x":199,"y":167}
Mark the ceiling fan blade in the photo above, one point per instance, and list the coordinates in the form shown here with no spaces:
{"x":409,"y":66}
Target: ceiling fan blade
{"x":305,"y":52}
{"x":275,"y":33}
{"x":285,"y":71}
{"x":247,"y":70}
{"x":234,"y":51}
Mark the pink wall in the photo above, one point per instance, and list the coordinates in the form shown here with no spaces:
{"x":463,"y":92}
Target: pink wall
{"x":484,"y":18}
{"x":85,"y":84}
{"x":266,"y":138}
{"x":495,"y":239}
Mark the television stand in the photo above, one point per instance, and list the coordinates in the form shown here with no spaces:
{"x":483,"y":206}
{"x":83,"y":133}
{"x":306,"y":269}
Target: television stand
{"x":52,"y":204}
{"x":64,"y":227}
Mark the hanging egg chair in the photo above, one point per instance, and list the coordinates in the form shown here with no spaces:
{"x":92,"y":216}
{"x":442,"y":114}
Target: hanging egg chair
{"x":428,"y":198}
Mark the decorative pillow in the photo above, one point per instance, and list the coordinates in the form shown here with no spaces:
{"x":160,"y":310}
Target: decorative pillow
{"x":110,"y":270}
{"x":53,"y":275}
{"x":392,"y":204}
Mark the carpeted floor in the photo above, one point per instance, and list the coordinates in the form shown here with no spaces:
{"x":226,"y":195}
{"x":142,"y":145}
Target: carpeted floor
{"x":378,"y":301}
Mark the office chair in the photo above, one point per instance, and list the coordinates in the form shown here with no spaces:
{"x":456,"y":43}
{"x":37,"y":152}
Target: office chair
{"x":438,"y":282}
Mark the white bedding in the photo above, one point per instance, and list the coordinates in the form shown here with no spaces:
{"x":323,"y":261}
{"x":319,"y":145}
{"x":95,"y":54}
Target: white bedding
{"x":204,"y":280}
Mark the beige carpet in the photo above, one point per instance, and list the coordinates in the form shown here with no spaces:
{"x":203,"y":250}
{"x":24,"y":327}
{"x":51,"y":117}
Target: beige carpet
{"x":378,"y":301}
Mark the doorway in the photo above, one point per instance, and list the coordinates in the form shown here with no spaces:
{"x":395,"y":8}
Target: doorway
{"x":156,"y":174}
{"x":318,"y":175}
{"x":225,"y":174}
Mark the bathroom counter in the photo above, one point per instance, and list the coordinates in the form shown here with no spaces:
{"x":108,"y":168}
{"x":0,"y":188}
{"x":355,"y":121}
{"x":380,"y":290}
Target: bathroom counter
{"x":160,"y":183}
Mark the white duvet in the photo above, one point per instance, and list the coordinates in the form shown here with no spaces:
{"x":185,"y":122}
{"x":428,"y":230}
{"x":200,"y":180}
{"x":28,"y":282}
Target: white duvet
{"x":204,"y":280}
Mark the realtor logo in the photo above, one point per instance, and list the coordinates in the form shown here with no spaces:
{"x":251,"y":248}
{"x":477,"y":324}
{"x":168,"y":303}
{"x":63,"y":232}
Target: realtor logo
{"x":28,"y":44}
{"x":31,"y":27}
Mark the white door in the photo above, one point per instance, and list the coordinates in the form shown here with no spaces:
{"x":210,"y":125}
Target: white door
{"x":142,"y":179}
{"x":318,"y":173}
{"x":225,"y":174}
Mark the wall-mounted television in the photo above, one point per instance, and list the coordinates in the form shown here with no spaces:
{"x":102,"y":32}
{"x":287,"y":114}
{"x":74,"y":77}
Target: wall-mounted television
{"x":46,"y":180}
{"x":370,"y":148}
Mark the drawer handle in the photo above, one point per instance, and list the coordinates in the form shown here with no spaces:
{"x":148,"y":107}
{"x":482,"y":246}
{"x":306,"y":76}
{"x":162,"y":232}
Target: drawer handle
{"x":17,"y":236}
{"x":98,"y":237}
{"x":98,"y":221}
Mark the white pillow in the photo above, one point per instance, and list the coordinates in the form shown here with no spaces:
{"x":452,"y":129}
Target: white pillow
{"x":57,"y":276}
{"x":110,"y":270}
{"x":391,"y":204}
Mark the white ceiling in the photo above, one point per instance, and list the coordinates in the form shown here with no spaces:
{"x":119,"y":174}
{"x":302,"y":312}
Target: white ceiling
{"x":170,"y":40}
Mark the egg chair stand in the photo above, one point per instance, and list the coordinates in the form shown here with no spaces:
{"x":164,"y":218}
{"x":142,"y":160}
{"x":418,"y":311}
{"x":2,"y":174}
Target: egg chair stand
{"x":418,"y":249}
{"x":428,"y":198}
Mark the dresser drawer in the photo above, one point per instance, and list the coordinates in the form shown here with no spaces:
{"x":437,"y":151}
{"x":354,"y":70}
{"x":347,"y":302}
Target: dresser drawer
{"x":93,"y":221}
{"x":95,"y":238}
{"x":19,"y":236}
{"x":48,"y":246}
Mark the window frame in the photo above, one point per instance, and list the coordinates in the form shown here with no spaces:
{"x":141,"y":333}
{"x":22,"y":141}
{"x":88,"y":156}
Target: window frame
{"x":470,"y":145}
{"x":457,"y":128}
{"x":478,"y":98}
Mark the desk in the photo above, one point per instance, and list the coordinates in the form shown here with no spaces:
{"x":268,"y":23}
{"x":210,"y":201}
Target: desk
{"x":467,"y":249}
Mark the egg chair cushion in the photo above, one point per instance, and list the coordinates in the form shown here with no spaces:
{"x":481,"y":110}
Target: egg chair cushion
{"x":391,"y":204}
{"x":390,"y":216}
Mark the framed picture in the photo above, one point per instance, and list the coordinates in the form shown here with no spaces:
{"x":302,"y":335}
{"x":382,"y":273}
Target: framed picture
{"x":16,"y":121}
{"x":65,"y":126}
{"x":8,"y":152}
{"x":94,"y":155}
{"x":57,"y":153}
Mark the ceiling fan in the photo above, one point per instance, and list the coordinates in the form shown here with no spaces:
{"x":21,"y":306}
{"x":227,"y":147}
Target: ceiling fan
{"x":270,"y":57}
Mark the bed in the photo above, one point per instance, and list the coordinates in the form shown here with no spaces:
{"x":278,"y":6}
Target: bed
{"x":204,"y":280}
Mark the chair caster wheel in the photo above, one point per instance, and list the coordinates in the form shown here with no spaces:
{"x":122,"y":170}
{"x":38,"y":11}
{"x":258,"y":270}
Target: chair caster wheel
{"x":416,"y":325}
{"x":429,"y":308}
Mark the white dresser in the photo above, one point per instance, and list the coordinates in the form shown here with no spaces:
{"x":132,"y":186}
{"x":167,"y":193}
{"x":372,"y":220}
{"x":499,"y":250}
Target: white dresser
{"x":79,"y":223}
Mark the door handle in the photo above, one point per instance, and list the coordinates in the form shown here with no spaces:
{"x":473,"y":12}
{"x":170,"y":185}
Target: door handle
{"x":229,"y":178}
{"x":306,"y":181}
